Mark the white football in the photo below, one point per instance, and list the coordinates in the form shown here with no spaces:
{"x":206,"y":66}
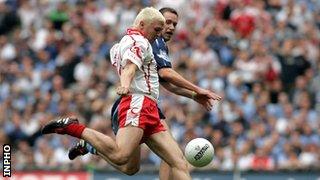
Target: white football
{"x":199,"y":152}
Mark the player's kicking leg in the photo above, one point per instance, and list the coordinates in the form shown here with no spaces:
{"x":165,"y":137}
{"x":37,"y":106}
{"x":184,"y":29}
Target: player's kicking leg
{"x":118,"y":152}
{"x":82,"y":148}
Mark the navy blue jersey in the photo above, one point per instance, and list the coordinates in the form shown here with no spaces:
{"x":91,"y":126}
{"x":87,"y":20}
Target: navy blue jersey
{"x":161,"y":53}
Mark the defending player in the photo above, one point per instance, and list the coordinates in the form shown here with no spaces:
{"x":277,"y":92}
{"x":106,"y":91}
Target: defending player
{"x":172,"y":80}
{"x":138,"y":116}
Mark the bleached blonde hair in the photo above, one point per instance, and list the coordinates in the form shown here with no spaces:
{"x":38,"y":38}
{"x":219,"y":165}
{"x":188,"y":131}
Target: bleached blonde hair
{"x":148,"y":15}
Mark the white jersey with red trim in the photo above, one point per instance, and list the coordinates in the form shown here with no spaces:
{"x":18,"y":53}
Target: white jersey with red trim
{"x":137,"y":49}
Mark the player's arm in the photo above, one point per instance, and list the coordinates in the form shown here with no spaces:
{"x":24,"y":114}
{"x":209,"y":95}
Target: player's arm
{"x":131,"y":62}
{"x":126,"y":77}
{"x":202,"y":99}
{"x":166,"y":73}
{"x":170,"y":75}
{"x":177,"y":90}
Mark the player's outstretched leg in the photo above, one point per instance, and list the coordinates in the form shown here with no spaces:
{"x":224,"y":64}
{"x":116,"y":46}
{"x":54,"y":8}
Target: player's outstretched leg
{"x":67,"y":125}
{"x":83,"y":147}
{"x":118,"y":152}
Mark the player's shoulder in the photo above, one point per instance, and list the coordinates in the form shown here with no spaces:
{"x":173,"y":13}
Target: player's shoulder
{"x":135,"y":39}
{"x":159,"y":43}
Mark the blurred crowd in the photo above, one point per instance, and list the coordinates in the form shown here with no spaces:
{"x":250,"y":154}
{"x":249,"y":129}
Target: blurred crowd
{"x":262,"y":56}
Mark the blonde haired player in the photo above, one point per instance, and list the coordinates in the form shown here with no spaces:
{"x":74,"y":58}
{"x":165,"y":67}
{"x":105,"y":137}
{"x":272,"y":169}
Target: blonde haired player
{"x":147,"y":15}
{"x":138,"y":116}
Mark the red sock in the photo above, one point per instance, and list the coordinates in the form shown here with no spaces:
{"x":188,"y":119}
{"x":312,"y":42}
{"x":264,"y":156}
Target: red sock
{"x":75,"y":130}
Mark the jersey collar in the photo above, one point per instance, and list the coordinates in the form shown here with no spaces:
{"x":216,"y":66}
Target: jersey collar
{"x":132,"y":31}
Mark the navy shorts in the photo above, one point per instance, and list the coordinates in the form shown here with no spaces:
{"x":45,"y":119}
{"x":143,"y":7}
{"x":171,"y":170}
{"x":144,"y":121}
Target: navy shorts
{"x":114,"y":115}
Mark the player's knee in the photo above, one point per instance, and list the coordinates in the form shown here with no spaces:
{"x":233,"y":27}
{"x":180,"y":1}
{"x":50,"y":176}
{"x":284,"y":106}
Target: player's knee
{"x":130,"y":171}
{"x":181,"y":164}
{"x":122,"y":159}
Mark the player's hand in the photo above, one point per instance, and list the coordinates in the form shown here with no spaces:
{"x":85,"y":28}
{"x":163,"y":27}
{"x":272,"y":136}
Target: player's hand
{"x":210,"y":94}
{"x":122,"y":90}
{"x":206,"y":98}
